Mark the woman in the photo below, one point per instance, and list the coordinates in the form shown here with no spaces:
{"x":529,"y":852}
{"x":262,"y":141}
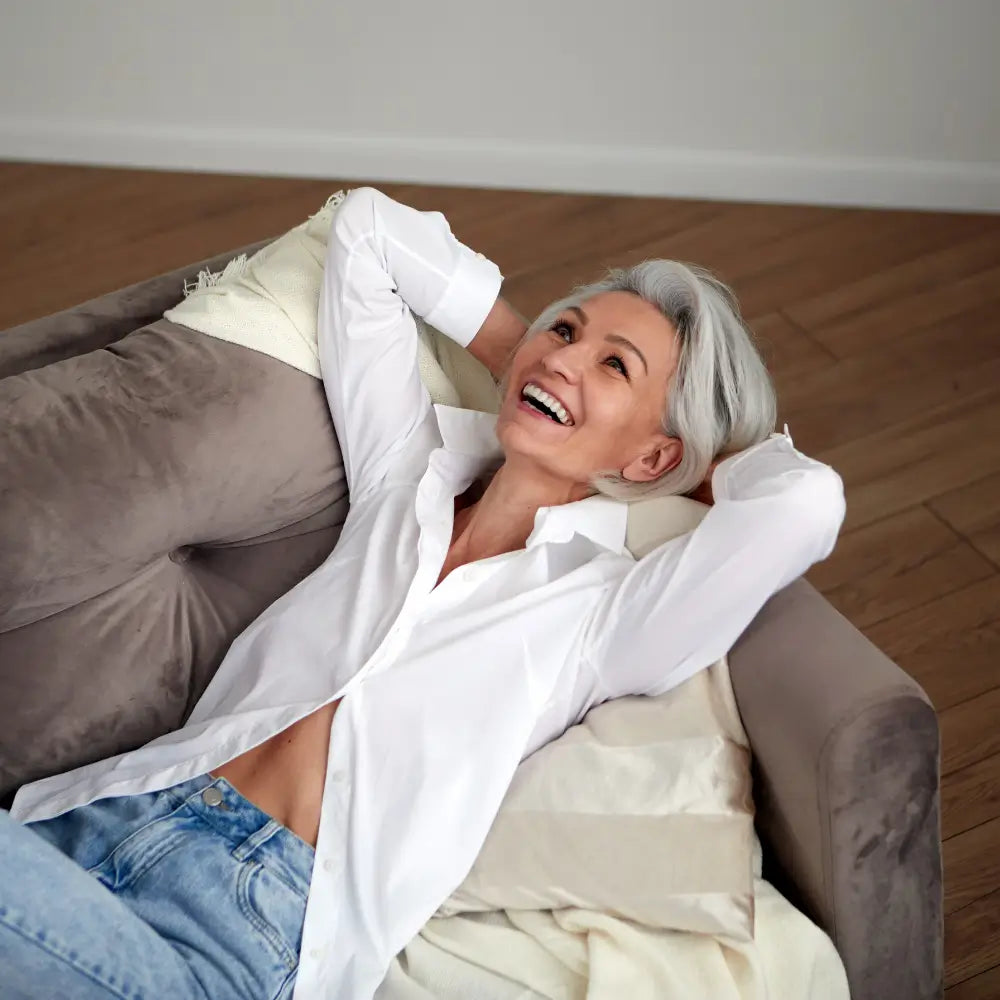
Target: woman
{"x":479,"y":601}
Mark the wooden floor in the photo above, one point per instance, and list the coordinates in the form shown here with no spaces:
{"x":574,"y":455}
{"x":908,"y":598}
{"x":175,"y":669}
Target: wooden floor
{"x":881,"y":329}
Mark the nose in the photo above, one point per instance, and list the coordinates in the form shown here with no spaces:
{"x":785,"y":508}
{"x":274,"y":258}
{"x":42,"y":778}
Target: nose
{"x":564,"y":361}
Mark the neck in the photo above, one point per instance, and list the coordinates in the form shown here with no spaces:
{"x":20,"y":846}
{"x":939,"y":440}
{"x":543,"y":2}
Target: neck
{"x":504,"y":516}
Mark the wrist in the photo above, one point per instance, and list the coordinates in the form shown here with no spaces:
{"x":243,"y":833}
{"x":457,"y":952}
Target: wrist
{"x":499,"y":336}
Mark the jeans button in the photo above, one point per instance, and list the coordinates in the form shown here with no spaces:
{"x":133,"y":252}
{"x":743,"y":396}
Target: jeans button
{"x":211,"y":796}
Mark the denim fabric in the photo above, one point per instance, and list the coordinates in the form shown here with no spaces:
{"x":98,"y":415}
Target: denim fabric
{"x":190,"y":892}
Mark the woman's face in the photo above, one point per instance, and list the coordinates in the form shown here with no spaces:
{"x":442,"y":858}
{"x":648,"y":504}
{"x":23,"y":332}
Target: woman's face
{"x":604,"y":369}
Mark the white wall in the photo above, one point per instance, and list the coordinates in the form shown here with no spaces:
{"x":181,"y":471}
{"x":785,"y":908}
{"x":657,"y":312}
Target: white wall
{"x":882,"y":102}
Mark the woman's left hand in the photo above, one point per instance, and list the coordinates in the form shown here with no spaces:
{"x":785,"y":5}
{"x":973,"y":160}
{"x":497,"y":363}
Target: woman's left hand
{"x":703,"y":492}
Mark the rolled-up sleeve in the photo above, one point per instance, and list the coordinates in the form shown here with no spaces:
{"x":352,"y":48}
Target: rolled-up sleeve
{"x":470,"y":295}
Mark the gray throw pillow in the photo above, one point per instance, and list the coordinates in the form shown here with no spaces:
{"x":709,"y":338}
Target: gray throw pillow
{"x":156,"y":495}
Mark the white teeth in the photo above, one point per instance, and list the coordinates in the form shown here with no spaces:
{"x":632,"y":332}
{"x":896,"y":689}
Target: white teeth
{"x":549,"y":400}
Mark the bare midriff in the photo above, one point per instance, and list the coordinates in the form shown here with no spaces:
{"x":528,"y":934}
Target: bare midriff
{"x":284,"y":776}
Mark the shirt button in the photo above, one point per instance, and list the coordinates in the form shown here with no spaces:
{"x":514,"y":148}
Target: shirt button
{"x":328,"y":865}
{"x":315,"y":953}
{"x":211,"y":796}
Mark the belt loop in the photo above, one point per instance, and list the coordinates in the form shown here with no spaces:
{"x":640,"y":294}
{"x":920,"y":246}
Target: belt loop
{"x":265,"y":833}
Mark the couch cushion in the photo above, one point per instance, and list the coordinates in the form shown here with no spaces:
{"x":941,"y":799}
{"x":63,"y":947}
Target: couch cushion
{"x":157,"y":495}
{"x":643,"y":810}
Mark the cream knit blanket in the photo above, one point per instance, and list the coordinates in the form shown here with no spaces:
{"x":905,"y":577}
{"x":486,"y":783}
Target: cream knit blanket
{"x":269,"y":303}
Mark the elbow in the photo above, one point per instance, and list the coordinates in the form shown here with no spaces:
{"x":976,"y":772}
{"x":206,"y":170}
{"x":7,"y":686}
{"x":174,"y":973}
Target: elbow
{"x":360,"y":199}
{"x":355,"y":217}
{"x":821,"y":508}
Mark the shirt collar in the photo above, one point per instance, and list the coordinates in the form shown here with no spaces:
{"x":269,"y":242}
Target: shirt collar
{"x":472,"y":433}
{"x":469,"y":432}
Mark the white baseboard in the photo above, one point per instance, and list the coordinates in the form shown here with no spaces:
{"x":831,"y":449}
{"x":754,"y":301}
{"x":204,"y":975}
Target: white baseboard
{"x":680,"y":173}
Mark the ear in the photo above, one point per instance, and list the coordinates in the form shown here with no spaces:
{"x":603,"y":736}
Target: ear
{"x":660,"y":456}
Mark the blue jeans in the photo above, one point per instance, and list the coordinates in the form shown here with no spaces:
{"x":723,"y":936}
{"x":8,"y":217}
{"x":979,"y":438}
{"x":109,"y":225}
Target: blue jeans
{"x":191,"y":893}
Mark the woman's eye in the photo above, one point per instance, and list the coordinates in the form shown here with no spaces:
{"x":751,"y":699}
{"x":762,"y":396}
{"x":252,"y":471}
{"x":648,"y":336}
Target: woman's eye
{"x":564,"y":331}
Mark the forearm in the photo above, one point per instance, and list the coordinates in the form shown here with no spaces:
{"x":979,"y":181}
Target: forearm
{"x":385,"y":262}
{"x":498,"y":337}
{"x":682,"y":606}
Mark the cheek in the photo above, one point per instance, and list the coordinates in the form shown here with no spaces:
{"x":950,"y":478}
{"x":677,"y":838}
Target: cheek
{"x":530,"y":352}
{"x":615,"y":409}
{"x":527,"y":356}
{"x":619,"y":422}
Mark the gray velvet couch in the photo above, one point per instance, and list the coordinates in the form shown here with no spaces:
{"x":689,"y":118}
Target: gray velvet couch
{"x":159,"y":488}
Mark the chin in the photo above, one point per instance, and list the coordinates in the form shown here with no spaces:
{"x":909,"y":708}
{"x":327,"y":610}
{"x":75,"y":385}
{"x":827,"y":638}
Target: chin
{"x":517,"y":439}
{"x":525,"y":446}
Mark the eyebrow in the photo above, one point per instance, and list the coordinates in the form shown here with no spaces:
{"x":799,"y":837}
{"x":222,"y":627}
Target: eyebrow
{"x":613,"y":337}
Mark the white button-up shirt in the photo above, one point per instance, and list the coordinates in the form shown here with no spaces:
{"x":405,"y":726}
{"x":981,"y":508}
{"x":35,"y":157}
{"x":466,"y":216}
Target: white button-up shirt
{"x":446,"y":689}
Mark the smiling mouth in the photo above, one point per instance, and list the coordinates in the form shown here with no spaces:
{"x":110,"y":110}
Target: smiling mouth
{"x":546,"y":404}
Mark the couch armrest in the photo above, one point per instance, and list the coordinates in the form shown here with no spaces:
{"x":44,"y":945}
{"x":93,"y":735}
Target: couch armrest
{"x":101,"y":321}
{"x":846,"y":785}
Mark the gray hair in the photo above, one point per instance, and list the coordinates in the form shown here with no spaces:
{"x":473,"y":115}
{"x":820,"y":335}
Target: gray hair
{"x":720,"y":398}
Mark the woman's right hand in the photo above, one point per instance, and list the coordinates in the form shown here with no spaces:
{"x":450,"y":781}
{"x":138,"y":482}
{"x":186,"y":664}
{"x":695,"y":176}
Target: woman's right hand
{"x":502,"y":331}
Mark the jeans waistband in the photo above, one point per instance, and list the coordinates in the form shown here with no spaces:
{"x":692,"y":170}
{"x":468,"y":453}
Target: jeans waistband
{"x":251,"y":830}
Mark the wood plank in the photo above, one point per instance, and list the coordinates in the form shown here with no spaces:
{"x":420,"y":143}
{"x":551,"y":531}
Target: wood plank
{"x":136,"y":228}
{"x":970,"y":731}
{"x":974,"y":510}
{"x":705,"y":235}
{"x":892,"y":301}
{"x":531,"y":292}
{"x":942,"y":365}
{"x":972,"y":939}
{"x":950,"y":645}
{"x":788,"y":351}
{"x":554,"y":230}
{"x":970,"y":797}
{"x":935,"y":305}
{"x":839,"y":252}
{"x":25,"y":190}
{"x":129,"y":205}
{"x":916,"y":460}
{"x":716,"y":240}
{"x":971,"y":865}
{"x":729,"y":243}
{"x":985,"y":986}
{"x":487,"y":207}
{"x":141,"y":223}
{"x":896,"y":564}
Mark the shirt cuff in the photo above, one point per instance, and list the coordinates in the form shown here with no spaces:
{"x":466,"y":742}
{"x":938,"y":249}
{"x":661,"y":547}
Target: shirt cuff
{"x":468,"y":299}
